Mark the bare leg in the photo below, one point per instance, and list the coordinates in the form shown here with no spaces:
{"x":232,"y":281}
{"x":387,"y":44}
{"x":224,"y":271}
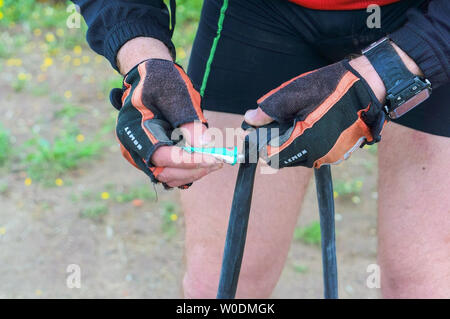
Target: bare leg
{"x":276,"y":205}
{"x":414,"y":214}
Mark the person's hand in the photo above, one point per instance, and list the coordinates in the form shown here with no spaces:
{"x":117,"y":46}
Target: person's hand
{"x":326,"y":114}
{"x":156,"y":98}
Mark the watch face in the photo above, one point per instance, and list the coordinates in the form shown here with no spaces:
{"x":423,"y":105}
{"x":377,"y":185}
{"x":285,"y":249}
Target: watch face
{"x":410,"y":104}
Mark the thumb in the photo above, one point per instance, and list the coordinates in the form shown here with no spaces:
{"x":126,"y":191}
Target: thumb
{"x":195,"y":134}
{"x":257,"y":117}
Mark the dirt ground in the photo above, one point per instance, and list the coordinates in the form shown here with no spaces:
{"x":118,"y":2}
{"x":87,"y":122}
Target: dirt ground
{"x":127,"y":252}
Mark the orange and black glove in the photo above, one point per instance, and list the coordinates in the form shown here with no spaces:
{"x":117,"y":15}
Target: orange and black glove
{"x":157,"y":96}
{"x":323,"y":116}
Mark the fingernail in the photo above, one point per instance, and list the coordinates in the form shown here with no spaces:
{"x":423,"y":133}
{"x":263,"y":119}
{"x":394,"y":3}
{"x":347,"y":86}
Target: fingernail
{"x":210,"y":162}
{"x":205,"y":139}
{"x":216,"y":167}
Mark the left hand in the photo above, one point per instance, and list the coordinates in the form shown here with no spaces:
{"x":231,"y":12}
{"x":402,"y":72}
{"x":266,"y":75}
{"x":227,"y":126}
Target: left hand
{"x":328,"y":112}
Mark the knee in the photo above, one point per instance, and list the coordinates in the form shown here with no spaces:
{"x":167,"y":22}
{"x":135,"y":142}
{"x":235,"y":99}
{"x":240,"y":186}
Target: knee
{"x":201,"y":278}
{"x":202,"y":282}
{"x":196,"y":286}
{"x":397,"y":288}
{"x":412,"y":283}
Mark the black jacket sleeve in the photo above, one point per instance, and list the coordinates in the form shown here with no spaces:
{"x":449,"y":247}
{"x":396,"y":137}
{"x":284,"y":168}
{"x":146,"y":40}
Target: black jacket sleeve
{"x":111,"y":23}
{"x":426,"y":39}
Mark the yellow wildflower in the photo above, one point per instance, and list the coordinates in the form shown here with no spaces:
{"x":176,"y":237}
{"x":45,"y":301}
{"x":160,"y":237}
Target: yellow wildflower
{"x":50,"y":37}
{"x":173,"y":217}
{"x":48,"y":62}
{"x":80,"y":138}
{"x":105,"y":195}
{"x":86,"y":59}
{"x":14,"y":62}
{"x":37,"y":32}
{"x":68,"y":94}
{"x":22,"y":76}
{"x":77,"y":50}
{"x":60,"y":32}
{"x":59,"y":182}
{"x":28,"y":181}
{"x":2,"y":230}
{"x":356,"y":199}
{"x":76,"y":62}
{"x":181,"y":53}
{"x":1,"y":15}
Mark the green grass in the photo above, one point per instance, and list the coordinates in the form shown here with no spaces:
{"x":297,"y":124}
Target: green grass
{"x":19,"y":85}
{"x":46,"y":160}
{"x":41,"y":89}
{"x":69,"y":111}
{"x":347,"y":188}
{"x":95,"y":211}
{"x":144,"y":192}
{"x":3,"y":187}
{"x":32,"y":14}
{"x":188,"y":15}
{"x":42,"y":22}
{"x":11,"y":43}
{"x":39,"y":28}
{"x":301,"y":269}
{"x":169,"y":219}
{"x":373,"y":149}
{"x":309,"y":234}
{"x":113,"y":82}
{"x":5,"y":145}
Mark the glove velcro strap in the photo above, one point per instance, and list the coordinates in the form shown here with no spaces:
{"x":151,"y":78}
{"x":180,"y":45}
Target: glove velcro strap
{"x":337,"y":129}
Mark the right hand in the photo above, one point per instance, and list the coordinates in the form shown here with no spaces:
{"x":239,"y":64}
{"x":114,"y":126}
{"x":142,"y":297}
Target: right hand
{"x":156,"y":98}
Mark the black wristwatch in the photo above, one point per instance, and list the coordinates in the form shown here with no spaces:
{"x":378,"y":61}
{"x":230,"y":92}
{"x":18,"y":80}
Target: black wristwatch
{"x":404,"y":90}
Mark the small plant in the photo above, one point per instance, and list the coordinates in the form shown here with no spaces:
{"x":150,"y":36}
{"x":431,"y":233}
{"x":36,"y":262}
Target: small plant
{"x":300,"y":269}
{"x":5,"y":145}
{"x":143,"y":192}
{"x":373,"y":149}
{"x":347,"y":188}
{"x":49,"y":160}
{"x":309,"y":234}
{"x":19,"y":84}
{"x":40,"y":89}
{"x":113,"y":82}
{"x":3,"y":188}
{"x":95,"y":211}
{"x":34,"y":14}
{"x":170,"y":217}
{"x":69,"y":111}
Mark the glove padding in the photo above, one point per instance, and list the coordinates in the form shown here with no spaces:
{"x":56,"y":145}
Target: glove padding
{"x":157,"y":96}
{"x":323,"y":116}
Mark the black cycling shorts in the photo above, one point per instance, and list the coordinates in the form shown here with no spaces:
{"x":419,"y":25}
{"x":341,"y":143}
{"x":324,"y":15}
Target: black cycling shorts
{"x":264,"y":43}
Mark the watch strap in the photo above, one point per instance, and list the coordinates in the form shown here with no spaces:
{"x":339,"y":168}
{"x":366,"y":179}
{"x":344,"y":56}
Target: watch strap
{"x":387,"y":63}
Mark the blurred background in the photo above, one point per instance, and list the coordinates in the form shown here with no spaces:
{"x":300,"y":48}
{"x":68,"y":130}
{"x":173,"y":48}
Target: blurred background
{"x":68,"y":197}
